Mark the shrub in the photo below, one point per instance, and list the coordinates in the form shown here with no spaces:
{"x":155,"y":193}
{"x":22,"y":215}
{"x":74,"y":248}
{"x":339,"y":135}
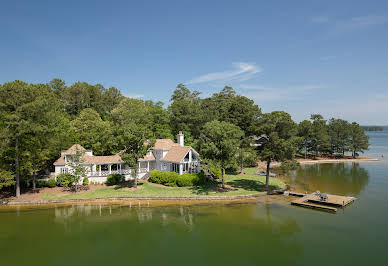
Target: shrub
{"x":250,"y":159}
{"x":85,"y":182}
{"x":65,"y":180}
{"x":51,"y":183}
{"x":164,"y":178}
{"x":216,"y":172}
{"x":188,"y":180}
{"x":290,"y":165}
{"x":114,"y":179}
{"x":41,"y":183}
{"x":173,"y":179}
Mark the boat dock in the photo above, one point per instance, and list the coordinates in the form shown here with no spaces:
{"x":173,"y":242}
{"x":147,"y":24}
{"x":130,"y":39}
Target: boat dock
{"x":315,"y":202}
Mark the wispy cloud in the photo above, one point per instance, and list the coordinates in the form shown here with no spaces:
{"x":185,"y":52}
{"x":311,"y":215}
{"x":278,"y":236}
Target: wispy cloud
{"x":242,"y":71}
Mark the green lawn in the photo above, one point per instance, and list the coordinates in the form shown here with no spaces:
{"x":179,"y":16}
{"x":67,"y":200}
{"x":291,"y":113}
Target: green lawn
{"x":240,"y":185}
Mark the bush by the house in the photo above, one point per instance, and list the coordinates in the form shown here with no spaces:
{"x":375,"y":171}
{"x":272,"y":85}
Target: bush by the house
{"x":46,"y":183}
{"x":114,"y":179}
{"x":51,"y":183}
{"x":65,"y":180}
{"x":215,"y":172}
{"x":173,"y":179}
{"x":85,"y":182}
{"x":41,"y":183}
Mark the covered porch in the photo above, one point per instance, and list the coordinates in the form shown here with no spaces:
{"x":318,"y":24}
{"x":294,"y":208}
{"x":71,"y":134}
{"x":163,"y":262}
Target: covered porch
{"x":105,"y":169}
{"x":146,"y":166}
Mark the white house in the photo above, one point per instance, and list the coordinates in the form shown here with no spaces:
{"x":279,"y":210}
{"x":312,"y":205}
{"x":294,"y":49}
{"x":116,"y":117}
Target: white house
{"x":167,"y":156}
{"x":98,"y":167}
{"x":164,"y":156}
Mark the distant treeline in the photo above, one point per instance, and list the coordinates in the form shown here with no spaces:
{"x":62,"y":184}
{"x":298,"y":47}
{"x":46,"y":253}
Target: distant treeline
{"x":373,"y":128}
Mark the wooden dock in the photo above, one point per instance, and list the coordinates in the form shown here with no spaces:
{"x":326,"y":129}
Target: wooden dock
{"x":314,"y":201}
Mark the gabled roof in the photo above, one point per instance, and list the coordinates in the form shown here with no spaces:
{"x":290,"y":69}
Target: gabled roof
{"x":87,"y":159}
{"x":148,"y":158}
{"x":163,"y":144}
{"x":176,"y":154}
{"x":73,"y":149}
{"x":102,"y":159}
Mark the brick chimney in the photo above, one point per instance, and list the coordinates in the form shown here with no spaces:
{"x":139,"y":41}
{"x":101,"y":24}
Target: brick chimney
{"x":181,"y":138}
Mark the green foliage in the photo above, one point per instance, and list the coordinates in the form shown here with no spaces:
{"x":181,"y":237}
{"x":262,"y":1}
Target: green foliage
{"x":6,"y":178}
{"x":289,"y":165}
{"x":372,"y":128}
{"x":279,"y":131}
{"x":51,"y":183}
{"x":219,"y":143}
{"x":250,"y":158}
{"x":41,"y":183}
{"x":216,"y":172}
{"x":92,"y":132}
{"x":46,"y":183}
{"x":37,"y":121}
{"x":335,"y":137}
{"x":173,"y":179}
{"x":65,"y":180}
{"x":114,"y":179}
{"x":358,"y":141}
{"x":85,"y":182}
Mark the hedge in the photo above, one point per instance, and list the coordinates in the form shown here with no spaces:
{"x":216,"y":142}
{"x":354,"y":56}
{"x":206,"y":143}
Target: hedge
{"x":43,"y":183}
{"x":173,"y":179}
{"x":65,"y":180}
{"x":114,"y":179}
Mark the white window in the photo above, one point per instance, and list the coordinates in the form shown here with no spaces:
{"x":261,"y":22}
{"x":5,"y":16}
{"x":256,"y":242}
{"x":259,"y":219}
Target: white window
{"x":63,"y":170}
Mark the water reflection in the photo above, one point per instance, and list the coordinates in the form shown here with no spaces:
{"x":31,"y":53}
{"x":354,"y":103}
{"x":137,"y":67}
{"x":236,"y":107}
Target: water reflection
{"x":141,"y":214}
{"x":338,"y":178}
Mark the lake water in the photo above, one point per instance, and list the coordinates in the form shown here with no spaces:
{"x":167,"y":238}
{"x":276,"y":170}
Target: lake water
{"x":266,"y":231}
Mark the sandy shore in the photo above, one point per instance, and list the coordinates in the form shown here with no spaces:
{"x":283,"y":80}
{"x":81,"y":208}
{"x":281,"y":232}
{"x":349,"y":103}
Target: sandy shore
{"x":343,"y":160}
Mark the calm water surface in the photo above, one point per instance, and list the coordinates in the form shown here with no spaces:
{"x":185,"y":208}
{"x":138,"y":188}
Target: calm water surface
{"x":264,"y":231}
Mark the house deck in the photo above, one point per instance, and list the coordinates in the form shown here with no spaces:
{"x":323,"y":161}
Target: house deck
{"x":313,"y":201}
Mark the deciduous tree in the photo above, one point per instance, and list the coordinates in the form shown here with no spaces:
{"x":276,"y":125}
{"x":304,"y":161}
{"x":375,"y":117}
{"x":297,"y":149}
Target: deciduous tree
{"x":279,"y":130}
{"x":219,"y":144}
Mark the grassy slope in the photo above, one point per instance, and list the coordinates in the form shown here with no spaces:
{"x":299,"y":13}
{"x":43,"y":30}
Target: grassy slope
{"x":240,"y":185}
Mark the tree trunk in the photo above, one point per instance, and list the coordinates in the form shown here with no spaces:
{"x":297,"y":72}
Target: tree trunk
{"x":267,"y":174}
{"x":17,"y":173}
{"x":305,"y":151}
{"x":34,"y":181}
{"x":135,"y":169}
{"x":222,"y":177}
{"x":242,"y":163}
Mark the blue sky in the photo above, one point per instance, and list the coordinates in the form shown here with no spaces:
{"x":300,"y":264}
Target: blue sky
{"x":328,"y":57}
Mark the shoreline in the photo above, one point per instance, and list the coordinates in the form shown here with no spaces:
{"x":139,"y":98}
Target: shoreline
{"x":342,"y":160}
{"x":139,"y":199}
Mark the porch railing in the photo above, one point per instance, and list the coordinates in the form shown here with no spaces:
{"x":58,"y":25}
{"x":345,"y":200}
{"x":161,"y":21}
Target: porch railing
{"x":106,"y":173}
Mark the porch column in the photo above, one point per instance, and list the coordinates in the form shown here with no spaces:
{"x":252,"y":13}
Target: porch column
{"x":110,"y":168}
{"x":139,"y":168}
{"x":181,"y":168}
{"x":99,"y":170}
{"x":148,"y":166}
{"x":120,"y":168}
